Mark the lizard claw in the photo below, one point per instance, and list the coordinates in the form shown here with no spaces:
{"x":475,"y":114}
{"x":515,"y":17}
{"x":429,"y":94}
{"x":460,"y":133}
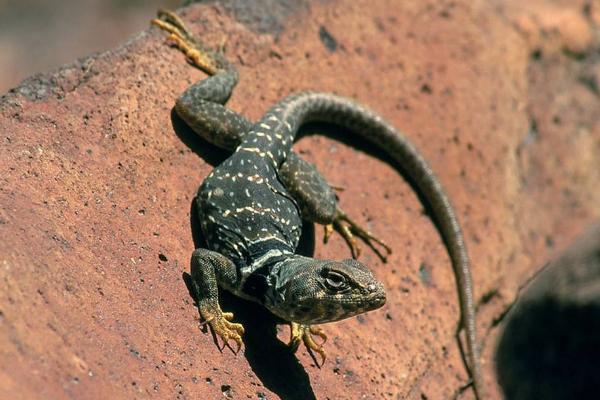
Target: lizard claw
{"x":221,"y":325}
{"x":349,"y":230}
{"x":328,"y":230}
{"x":182,"y":38}
{"x":305,"y":333}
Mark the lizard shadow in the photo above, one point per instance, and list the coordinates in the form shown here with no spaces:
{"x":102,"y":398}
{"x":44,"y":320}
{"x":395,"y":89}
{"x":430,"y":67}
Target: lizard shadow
{"x":271,"y":360}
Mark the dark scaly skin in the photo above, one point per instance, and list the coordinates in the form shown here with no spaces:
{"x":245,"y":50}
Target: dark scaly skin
{"x":251,"y":206}
{"x":252,"y":223}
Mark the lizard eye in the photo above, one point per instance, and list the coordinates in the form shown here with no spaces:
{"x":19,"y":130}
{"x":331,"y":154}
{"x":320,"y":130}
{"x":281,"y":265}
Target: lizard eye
{"x":335,"y":281}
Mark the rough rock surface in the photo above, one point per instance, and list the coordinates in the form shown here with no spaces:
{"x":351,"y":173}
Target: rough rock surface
{"x":98,"y":178}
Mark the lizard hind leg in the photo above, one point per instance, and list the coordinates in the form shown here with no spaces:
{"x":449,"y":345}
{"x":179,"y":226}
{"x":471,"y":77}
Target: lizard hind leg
{"x":314,"y":196}
{"x":349,"y":229}
{"x":317,"y":202}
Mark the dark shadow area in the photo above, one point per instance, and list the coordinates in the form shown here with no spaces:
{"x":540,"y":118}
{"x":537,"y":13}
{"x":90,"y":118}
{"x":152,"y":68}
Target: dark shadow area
{"x":306,"y":246}
{"x":271,"y":360}
{"x":550,"y":350}
{"x":549,"y":347}
{"x":210,"y":153}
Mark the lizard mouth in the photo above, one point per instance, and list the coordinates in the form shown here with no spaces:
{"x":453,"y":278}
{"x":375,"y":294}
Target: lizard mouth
{"x":354,"y":306}
{"x":374,"y":301}
{"x":375,"y":297}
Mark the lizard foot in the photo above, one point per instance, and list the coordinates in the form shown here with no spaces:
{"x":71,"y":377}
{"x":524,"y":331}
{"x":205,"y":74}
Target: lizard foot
{"x":221,"y":325}
{"x":183,"y":39}
{"x":348,"y":228}
{"x":305,"y":333}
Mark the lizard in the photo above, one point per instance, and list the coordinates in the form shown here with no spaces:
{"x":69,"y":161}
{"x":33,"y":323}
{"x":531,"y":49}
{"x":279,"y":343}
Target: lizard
{"x":252,"y":205}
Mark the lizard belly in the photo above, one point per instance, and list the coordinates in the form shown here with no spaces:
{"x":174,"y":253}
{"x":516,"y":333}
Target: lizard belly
{"x":241,"y":204}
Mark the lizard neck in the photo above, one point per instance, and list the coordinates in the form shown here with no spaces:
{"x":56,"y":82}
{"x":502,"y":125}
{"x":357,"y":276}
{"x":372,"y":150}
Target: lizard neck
{"x":270,"y":272}
{"x":265,"y":252}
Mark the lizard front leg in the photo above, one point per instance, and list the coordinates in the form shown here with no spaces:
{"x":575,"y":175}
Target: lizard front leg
{"x":208,"y":269}
{"x":305,"y":333}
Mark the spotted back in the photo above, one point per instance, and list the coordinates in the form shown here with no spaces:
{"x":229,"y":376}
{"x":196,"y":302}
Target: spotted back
{"x":242,"y":204}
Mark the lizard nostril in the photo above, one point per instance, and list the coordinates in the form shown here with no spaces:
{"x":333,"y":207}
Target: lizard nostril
{"x":372,"y":288}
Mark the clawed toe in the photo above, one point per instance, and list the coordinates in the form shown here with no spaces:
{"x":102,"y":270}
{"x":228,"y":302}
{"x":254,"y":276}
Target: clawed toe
{"x":305,"y":333}
{"x":221,"y":325}
{"x":183,"y":39}
{"x":349,"y":230}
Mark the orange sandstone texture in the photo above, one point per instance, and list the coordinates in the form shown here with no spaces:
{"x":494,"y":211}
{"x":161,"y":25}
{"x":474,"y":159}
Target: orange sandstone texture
{"x":98,"y":178}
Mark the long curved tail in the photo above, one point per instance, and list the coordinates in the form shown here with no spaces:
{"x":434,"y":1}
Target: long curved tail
{"x":323,"y":107}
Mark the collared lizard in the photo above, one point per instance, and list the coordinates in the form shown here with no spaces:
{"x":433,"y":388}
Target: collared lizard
{"x":252,"y":205}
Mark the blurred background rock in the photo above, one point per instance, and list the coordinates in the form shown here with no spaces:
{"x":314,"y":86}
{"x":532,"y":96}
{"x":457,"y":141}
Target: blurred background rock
{"x":40,"y":35}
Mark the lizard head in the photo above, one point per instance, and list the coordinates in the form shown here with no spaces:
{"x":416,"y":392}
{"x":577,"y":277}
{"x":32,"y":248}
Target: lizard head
{"x":313,"y":291}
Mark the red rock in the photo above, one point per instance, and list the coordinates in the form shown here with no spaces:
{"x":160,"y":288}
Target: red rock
{"x":98,"y":180}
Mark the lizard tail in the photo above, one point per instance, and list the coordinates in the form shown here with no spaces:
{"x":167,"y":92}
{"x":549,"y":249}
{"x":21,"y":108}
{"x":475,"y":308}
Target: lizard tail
{"x":324,"y":107}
